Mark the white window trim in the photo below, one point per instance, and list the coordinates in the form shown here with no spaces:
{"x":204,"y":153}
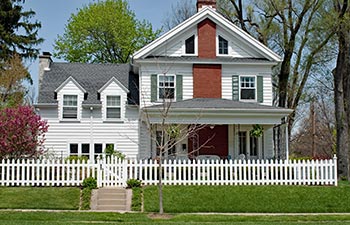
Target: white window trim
{"x":255,"y":84}
{"x":167,"y":100}
{"x":120,"y":107}
{"x":229,"y":53}
{"x":78,"y":107}
{"x":195,"y":45}
{"x":248,"y":150}
{"x":91,"y":147}
{"x":104,"y":109}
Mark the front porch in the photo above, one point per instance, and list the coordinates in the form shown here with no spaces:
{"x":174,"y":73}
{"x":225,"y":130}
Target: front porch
{"x":228,"y":141}
{"x":216,"y":128}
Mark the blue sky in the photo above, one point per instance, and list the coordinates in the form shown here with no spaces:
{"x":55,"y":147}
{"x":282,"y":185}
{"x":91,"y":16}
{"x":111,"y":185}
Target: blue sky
{"x":54,"y":14}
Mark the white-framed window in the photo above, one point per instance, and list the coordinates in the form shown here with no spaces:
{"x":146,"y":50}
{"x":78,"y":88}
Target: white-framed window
{"x":85,"y":150}
{"x":91,"y":151}
{"x":248,"y":88}
{"x":223,"y":46}
{"x":73,"y":149}
{"x":166,"y":87}
{"x":190,"y":46}
{"x":248,"y":145}
{"x":113,"y":107}
{"x":70,"y":107}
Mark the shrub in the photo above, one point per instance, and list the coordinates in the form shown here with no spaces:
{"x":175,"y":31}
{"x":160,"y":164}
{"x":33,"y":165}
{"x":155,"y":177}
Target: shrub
{"x":22,"y":133}
{"x":76,"y":158}
{"x":133,"y":183}
{"x":90,"y":183}
{"x":109,"y":151}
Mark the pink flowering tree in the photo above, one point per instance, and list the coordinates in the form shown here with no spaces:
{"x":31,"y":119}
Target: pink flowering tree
{"x":22,"y":133}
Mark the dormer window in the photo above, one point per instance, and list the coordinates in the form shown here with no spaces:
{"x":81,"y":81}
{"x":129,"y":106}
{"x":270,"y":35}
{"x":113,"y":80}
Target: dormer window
{"x":223,"y":46}
{"x":190,"y":45}
{"x":113,"y":110}
{"x":70,"y":106}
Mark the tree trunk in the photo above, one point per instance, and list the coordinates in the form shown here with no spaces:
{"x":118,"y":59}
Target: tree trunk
{"x":340,"y":79}
{"x":160,"y":184}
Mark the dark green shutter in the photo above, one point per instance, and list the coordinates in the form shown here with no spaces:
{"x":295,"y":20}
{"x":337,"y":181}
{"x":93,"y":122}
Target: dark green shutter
{"x":235,"y":88}
{"x":153,"y":87}
{"x":178,"y":87}
{"x":260,"y":88}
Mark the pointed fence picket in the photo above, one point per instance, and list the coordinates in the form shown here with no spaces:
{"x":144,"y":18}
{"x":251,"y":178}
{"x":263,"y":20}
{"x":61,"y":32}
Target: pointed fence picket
{"x":112,"y":171}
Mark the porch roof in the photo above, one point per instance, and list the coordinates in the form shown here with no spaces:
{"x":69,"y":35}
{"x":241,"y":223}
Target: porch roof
{"x":216,"y":111}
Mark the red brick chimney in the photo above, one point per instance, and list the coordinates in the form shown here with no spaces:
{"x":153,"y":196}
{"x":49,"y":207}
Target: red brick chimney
{"x":202,"y":3}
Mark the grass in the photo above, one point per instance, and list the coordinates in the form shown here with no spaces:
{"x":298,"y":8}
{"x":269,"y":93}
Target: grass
{"x":254,"y":199}
{"x":66,"y":198}
{"x":136,"y":199}
{"x":85,"y":199}
{"x":31,"y":218}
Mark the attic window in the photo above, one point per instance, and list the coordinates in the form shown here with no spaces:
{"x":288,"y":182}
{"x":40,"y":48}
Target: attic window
{"x":223,"y":46}
{"x":190,"y":45}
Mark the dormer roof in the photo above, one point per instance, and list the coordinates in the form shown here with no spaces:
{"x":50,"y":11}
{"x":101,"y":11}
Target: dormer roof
{"x":90,"y":78}
{"x":70,"y":79}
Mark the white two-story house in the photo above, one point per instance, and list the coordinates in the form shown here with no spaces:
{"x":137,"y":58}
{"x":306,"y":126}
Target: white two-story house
{"x":213,"y":73}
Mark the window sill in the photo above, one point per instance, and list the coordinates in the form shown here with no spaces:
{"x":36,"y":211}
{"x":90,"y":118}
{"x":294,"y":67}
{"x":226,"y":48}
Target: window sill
{"x":70,"y":121}
{"x":113,"y":121}
{"x":249,"y":100}
{"x":223,"y":55}
{"x":195,"y":54}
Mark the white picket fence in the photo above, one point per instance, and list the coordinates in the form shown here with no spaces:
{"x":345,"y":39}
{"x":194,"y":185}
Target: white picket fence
{"x":115,"y":172}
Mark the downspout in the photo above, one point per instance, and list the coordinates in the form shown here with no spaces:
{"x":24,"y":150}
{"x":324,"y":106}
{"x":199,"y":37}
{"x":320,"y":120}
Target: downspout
{"x":91,"y":135}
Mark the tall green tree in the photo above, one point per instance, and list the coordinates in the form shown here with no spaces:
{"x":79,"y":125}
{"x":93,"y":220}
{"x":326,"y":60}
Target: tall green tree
{"x":18,"y":35}
{"x":103,"y":32}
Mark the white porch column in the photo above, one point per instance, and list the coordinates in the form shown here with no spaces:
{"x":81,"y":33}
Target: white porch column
{"x":287,"y":144}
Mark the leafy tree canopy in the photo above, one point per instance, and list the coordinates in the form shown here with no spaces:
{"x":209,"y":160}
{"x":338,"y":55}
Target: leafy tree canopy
{"x":17,"y":33}
{"x":103,"y":31}
{"x":12,"y":75}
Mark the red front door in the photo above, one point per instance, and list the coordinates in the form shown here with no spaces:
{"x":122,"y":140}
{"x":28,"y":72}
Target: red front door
{"x":211,"y":140}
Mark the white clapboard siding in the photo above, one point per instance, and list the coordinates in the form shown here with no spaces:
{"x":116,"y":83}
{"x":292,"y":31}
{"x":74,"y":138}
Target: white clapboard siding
{"x":111,"y":171}
{"x":170,"y":68}
{"x":91,"y":129}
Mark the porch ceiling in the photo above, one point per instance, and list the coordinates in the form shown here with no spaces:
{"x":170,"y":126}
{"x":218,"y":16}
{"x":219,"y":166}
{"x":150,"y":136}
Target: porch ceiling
{"x":216,"y":111}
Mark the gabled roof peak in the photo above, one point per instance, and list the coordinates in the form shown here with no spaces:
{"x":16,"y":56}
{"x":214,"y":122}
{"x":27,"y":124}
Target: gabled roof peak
{"x":208,"y":13}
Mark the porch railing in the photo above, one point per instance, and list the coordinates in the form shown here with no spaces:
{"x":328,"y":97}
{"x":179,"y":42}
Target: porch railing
{"x":115,"y":172}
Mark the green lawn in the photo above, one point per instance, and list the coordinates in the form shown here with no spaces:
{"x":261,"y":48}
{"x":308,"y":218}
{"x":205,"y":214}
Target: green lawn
{"x":39,"y":198}
{"x":34,"y":218}
{"x":260,"y":199}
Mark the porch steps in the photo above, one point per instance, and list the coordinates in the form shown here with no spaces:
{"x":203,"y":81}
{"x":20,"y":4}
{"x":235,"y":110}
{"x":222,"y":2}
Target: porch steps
{"x":111,"y":199}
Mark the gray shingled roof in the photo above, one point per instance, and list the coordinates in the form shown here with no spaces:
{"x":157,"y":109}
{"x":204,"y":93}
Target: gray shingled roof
{"x":216,"y":103}
{"x":90,"y":76}
{"x":195,"y":59}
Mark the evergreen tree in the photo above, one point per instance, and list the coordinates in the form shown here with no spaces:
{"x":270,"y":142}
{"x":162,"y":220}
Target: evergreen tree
{"x":17,"y":33}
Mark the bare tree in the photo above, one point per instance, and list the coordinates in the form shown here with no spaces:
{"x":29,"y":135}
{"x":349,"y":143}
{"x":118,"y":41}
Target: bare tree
{"x":342,"y":87}
{"x":181,"y":11}
{"x":12,"y":75}
{"x":165,"y":134}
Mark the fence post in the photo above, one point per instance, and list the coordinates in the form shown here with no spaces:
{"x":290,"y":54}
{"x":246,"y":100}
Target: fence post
{"x":335,"y":170}
{"x":98,"y":165}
